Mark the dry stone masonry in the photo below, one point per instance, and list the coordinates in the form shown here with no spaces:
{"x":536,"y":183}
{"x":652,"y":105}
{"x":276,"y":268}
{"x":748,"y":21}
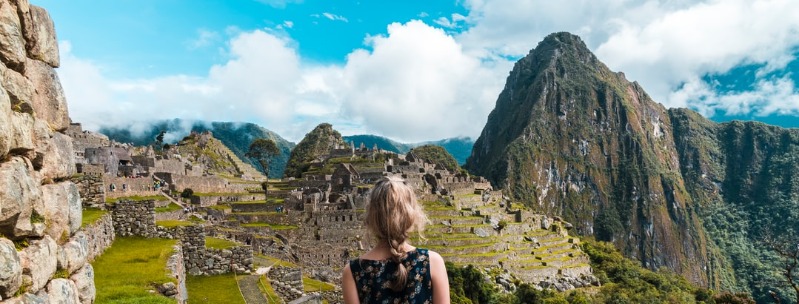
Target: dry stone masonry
{"x":40,"y":209}
{"x":135,"y":218}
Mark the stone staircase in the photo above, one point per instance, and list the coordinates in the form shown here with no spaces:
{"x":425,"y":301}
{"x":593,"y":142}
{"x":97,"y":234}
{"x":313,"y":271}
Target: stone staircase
{"x":241,"y":166}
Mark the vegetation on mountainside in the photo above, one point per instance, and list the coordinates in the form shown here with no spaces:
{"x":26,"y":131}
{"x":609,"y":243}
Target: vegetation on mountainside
{"x":436,"y":155}
{"x":236,"y":136}
{"x":459,"y":147}
{"x":316,"y":143}
{"x":126,"y":272}
{"x":623,"y":281}
{"x":263,"y":150}
{"x":745,"y":177}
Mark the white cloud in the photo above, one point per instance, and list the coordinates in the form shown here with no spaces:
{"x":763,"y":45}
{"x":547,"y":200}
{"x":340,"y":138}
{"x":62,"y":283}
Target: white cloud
{"x":331,"y":16}
{"x":413,"y":84}
{"x":278,"y":3}
{"x":451,"y":24}
{"x":769,"y":96}
{"x":204,"y":38}
{"x":661,"y":44}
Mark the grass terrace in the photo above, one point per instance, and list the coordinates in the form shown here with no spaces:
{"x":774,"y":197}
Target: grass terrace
{"x":220,"y":207}
{"x":213,"y":289}
{"x":217,"y":243}
{"x":312,"y":285}
{"x":168,"y":208}
{"x":173,"y":223}
{"x":125,"y":273}
{"x":90,"y":216}
{"x":266,"y":288}
{"x":135,"y":198}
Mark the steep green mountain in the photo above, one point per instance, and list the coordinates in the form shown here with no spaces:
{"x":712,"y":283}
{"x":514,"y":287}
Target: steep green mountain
{"x":316,"y":143}
{"x":436,"y":155}
{"x":459,"y":147}
{"x":236,"y":136}
{"x":569,"y":137}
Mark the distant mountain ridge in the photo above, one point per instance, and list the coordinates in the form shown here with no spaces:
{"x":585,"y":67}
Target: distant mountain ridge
{"x":459,"y":147}
{"x":236,"y":136}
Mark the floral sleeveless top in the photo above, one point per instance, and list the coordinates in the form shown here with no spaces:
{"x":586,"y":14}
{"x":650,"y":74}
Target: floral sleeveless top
{"x":373,"y":278}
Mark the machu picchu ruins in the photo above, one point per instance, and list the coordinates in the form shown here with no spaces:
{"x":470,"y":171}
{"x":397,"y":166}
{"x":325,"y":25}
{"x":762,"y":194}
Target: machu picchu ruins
{"x":314,"y":223}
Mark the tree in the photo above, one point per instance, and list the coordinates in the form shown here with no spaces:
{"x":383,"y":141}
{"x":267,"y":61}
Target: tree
{"x":263,"y":150}
{"x":786,"y":245}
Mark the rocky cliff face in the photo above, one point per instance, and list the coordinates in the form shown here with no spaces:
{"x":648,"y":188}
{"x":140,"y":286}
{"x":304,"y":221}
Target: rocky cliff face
{"x":316,"y":143}
{"x":42,"y":250}
{"x":571,"y":138}
{"x":668,"y":187}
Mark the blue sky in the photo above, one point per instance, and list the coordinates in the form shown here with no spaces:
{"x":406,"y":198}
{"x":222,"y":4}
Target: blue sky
{"x":409,"y":70}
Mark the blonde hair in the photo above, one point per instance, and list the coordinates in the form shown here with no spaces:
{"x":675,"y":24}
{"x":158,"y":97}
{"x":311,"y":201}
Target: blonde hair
{"x":391,"y":215}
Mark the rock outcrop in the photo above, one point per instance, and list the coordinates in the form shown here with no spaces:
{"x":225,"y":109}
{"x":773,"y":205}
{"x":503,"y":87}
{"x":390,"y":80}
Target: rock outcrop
{"x":669,"y":187}
{"x":43,"y":253}
{"x":570,"y":138}
{"x":316,"y":143}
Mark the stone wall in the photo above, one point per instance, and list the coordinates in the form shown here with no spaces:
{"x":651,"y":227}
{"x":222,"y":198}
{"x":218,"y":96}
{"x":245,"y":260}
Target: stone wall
{"x":36,"y":159}
{"x":91,"y":189}
{"x":200,"y":260}
{"x":129,"y":187}
{"x":176,"y":266}
{"x":211,"y":200}
{"x":134,"y":218}
{"x":100,"y":235}
{"x":287,"y":282}
{"x":199,"y":184}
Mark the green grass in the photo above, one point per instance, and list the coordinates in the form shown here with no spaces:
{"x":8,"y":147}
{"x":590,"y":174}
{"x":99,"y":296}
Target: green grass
{"x":223,"y":194}
{"x":217,"y":243}
{"x":312,"y":285}
{"x":220,"y":207}
{"x":173,"y":223}
{"x":213,"y":289}
{"x":90,"y":216}
{"x":276,"y":261}
{"x":126,"y":271}
{"x":273,"y":226}
{"x":266,"y":288}
{"x":135,"y":198}
{"x":168,"y":208}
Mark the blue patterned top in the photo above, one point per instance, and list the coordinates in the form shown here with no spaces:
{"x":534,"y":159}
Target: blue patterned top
{"x":373,"y":278}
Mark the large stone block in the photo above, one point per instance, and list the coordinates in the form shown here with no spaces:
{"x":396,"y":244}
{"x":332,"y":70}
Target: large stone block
{"x":28,"y":298}
{"x":19,"y":88}
{"x":39,"y":261}
{"x":75,"y":207}
{"x":54,"y":156}
{"x":19,"y":194}
{"x":40,"y":36}
{"x":16,"y":128}
{"x":84,"y":280}
{"x":56,"y":211}
{"x":12,"y":43}
{"x":62,"y":291}
{"x":10,"y":269}
{"x":48,"y":100}
{"x":76,"y":251}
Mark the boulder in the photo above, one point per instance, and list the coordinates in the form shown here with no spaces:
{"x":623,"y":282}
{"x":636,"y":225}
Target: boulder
{"x":39,"y":261}
{"x":48,"y":100}
{"x":56,"y":211}
{"x":76,"y":251}
{"x":18,"y":195}
{"x":19,"y":88}
{"x":481,"y":232}
{"x":84,"y":280}
{"x":55,"y":158}
{"x":40,"y":36}
{"x":27,"y":299}
{"x":75,"y":210}
{"x":12,"y":43}
{"x":10,"y":269}
{"x":545,"y":223}
{"x":62,"y":291}
{"x":21,"y":140}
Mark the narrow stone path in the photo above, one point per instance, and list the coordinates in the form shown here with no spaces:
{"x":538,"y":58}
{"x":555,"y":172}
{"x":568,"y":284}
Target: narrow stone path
{"x":248,"y":284}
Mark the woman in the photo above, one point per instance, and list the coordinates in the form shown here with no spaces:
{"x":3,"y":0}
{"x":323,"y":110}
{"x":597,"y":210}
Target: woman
{"x":394,"y":271}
